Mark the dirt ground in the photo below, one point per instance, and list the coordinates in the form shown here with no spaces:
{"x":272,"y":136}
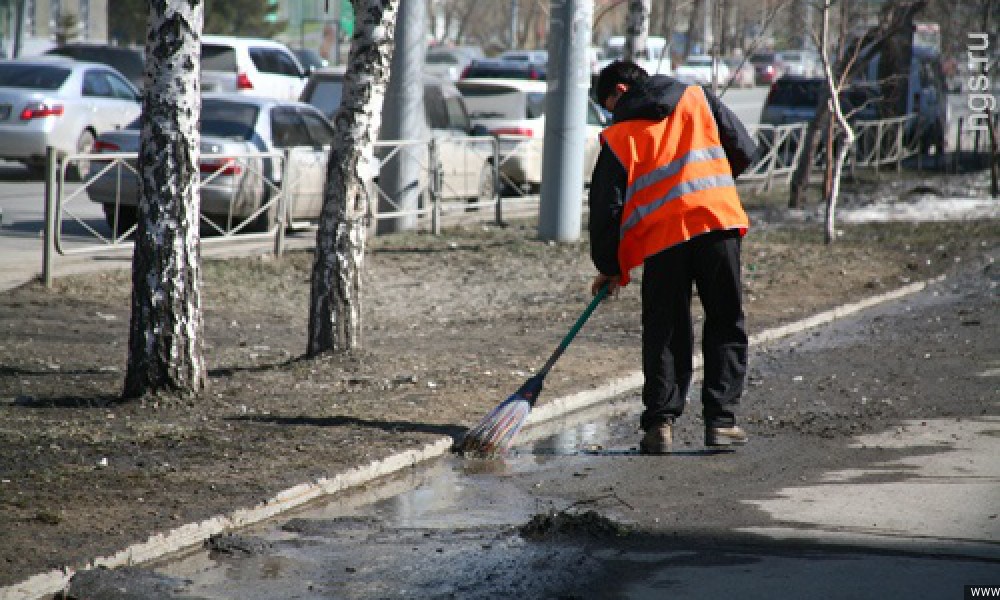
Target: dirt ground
{"x":453,"y":325}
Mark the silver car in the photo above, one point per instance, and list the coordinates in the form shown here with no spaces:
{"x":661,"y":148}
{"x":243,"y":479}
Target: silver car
{"x":55,"y":101}
{"x":514,"y":110}
{"x":236,"y":180}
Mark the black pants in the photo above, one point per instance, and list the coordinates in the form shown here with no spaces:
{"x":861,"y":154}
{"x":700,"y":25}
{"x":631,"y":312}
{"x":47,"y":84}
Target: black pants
{"x":712,"y":262}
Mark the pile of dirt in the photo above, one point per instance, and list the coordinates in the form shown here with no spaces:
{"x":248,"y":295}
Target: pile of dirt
{"x":453,"y":325}
{"x":568,"y":523}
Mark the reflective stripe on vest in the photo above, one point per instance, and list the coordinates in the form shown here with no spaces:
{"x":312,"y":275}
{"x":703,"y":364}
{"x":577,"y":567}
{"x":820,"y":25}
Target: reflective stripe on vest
{"x":679,"y":181}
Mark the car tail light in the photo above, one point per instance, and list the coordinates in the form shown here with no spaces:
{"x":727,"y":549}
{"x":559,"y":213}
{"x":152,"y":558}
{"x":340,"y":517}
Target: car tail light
{"x":40,"y":111}
{"x":221,"y":166}
{"x":534,"y":74}
{"x":102,"y":146}
{"x":243,"y":82}
{"x":465,"y":72}
{"x":770,"y":94}
{"x":522,"y":131}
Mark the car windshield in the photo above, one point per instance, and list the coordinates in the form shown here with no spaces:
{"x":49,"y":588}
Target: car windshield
{"x":506,"y":70}
{"x":762,"y":58}
{"x":228,"y":119}
{"x":326,"y":96}
{"x":442,"y":58}
{"x":485,"y":102}
{"x":33,"y":76}
{"x":699,"y":61}
{"x":216,"y":57}
{"x":796,"y":93}
{"x":222,"y":119}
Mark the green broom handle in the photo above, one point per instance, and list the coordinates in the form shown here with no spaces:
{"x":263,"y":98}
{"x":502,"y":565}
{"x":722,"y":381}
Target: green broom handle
{"x":600,"y":295}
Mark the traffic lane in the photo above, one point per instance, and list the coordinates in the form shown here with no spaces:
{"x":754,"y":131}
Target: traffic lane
{"x":746,"y":103}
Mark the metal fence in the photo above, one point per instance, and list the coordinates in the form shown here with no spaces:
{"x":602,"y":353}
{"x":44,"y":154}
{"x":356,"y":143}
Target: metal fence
{"x":450,"y":179}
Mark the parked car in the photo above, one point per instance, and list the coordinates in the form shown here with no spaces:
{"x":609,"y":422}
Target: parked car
{"x":767,"y":67}
{"x":446,"y":121}
{"x":741,"y":73}
{"x":250,"y":66}
{"x":515,"y":111}
{"x":56,"y":101}
{"x":504,"y":69}
{"x":447,"y":63}
{"x":234,"y":186}
{"x":793,"y":99}
{"x":656,"y":59}
{"x":130,"y":62}
{"x":800,"y":62}
{"x":702,"y":69}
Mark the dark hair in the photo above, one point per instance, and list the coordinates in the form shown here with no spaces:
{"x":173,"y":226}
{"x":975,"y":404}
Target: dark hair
{"x":619,"y":71}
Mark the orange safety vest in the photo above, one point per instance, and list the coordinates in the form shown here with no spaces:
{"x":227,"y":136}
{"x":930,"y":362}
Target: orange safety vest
{"x":680,"y":183}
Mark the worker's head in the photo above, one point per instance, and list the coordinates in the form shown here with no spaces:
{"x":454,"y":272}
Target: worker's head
{"x":615,"y":79}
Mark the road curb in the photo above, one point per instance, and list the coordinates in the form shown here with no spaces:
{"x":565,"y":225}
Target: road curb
{"x":191,"y":534}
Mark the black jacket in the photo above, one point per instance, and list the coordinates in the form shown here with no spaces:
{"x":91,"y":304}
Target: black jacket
{"x":654,"y":100}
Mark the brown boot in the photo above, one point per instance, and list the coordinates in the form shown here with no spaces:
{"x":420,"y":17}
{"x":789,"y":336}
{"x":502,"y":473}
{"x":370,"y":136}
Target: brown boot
{"x":725,"y":436}
{"x":658,"y":439}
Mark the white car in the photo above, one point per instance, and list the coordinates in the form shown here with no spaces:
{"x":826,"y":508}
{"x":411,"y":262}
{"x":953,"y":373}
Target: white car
{"x":800,"y":62}
{"x":699,"y":69}
{"x":250,"y":66}
{"x":56,"y":101}
{"x":447,"y":63}
{"x":538,"y":57}
{"x":235,"y":185}
{"x":514,"y":110}
{"x":656,"y":60}
{"x":462,"y":159}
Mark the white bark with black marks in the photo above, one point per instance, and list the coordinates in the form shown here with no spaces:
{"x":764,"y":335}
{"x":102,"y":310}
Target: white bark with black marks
{"x":637,"y":29}
{"x":165,"y":351}
{"x":842,"y":135}
{"x":335,"y":305}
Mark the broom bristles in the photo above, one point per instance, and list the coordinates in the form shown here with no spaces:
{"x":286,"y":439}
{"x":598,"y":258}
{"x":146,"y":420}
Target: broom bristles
{"x":494,"y":433}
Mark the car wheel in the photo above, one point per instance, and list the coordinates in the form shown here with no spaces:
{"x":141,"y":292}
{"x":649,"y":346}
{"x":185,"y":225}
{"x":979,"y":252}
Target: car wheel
{"x":126,"y":218}
{"x":37,"y":170}
{"x":84,"y":145}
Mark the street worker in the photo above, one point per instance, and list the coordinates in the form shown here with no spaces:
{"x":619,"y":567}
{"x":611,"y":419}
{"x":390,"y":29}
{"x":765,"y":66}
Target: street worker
{"x":662,"y":195}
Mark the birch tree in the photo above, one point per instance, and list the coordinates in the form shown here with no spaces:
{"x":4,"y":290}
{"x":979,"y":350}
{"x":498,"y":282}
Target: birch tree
{"x":165,"y":351}
{"x":841,"y":135}
{"x":896,"y":17}
{"x":335,"y":293}
{"x":637,"y":29}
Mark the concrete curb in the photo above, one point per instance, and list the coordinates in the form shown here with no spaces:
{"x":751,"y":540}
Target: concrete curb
{"x":191,"y":534}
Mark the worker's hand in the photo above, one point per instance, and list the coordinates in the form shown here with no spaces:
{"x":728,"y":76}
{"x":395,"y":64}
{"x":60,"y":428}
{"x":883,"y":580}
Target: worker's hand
{"x":613,"y":282}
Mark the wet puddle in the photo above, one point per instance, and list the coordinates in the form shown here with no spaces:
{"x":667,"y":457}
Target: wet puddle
{"x":416,"y":534}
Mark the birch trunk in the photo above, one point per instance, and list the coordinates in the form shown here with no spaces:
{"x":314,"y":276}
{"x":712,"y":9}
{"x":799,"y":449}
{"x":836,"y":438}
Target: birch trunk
{"x":165,"y":350}
{"x":335,"y":306}
{"x":842,"y":143}
{"x":637,"y":29}
{"x":896,"y":17}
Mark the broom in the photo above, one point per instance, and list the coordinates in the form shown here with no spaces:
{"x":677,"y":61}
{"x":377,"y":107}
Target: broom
{"x":494,"y":433}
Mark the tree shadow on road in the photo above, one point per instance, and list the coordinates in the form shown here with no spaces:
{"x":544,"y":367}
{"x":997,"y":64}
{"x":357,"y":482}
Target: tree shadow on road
{"x":454,"y":431}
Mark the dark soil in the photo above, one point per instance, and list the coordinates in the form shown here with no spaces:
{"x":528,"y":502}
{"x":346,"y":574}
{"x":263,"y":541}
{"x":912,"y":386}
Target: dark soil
{"x":453,"y":325}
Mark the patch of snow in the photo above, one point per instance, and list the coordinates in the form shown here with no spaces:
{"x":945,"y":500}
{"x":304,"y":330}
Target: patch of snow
{"x":923,"y":208}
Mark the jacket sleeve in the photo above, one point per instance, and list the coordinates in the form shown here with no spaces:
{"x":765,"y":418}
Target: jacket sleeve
{"x":607,"y":199}
{"x":741,"y":150}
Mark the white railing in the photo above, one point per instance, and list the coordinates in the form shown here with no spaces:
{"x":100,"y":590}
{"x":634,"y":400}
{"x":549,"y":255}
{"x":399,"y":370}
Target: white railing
{"x":455,"y":178}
